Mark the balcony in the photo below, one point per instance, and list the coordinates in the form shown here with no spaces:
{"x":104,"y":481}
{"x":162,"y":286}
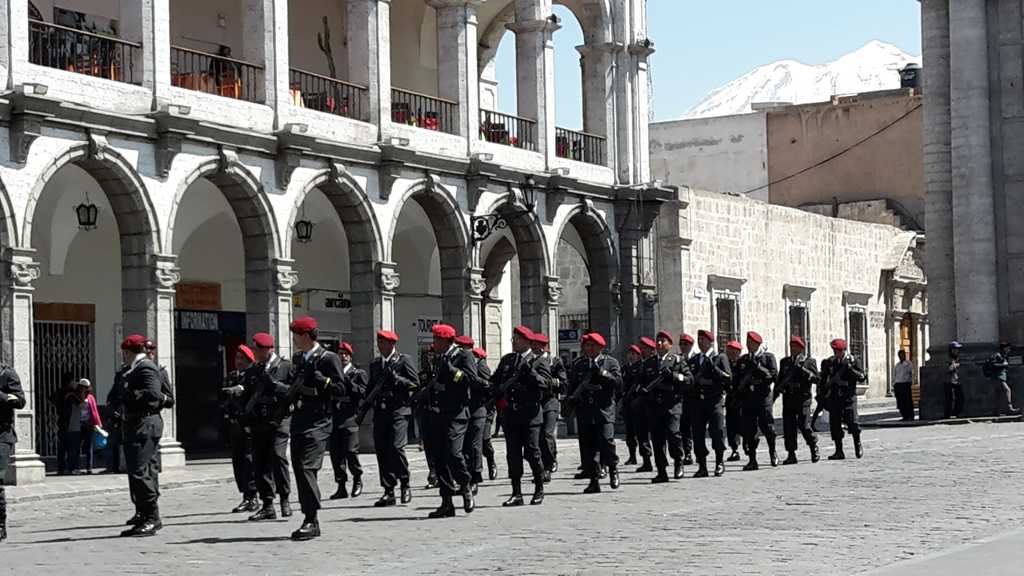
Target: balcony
{"x":85,"y":53}
{"x":580,"y":146}
{"x":214,"y":74}
{"x":508,"y":130}
{"x":328,"y":95}
{"x":424,"y":111}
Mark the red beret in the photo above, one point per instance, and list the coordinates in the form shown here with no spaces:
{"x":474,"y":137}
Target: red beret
{"x":839,"y":344}
{"x":540,"y":338}
{"x":387,"y":335}
{"x":798,"y":341}
{"x":684,"y":337}
{"x":480,"y":353}
{"x":635,"y":349}
{"x":134,"y":341}
{"x":443,"y":331}
{"x":595,"y":338}
{"x":263,"y":340}
{"x":706,"y":334}
{"x":303,"y":325}
{"x":523,"y":331}
{"x":646,"y":341}
{"x":755,"y":337}
{"x":664,"y":335}
{"x":734,"y":345}
{"x":345,"y":347}
{"x":464,"y":341}
{"x":247,"y":352}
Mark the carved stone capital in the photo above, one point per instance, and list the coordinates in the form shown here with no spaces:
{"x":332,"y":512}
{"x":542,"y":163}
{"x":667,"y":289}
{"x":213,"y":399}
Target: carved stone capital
{"x":552,"y":289}
{"x":388,"y":278}
{"x":24,"y":273}
{"x":476,"y":285}
{"x":286,"y":279}
{"x":616,"y":294}
{"x":166,"y":272}
{"x":649,"y":296}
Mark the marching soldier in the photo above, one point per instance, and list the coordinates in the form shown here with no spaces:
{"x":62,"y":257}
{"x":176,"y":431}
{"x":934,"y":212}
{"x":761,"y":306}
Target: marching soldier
{"x":479,"y":396}
{"x":685,"y":429}
{"x":392,"y":382}
{"x":12,"y":398}
{"x":270,"y":422}
{"x":421,"y":410}
{"x":665,"y":378}
{"x":755,"y":380}
{"x":486,"y":446}
{"x":520,"y":381}
{"x":314,"y":371}
{"x":143,"y":427}
{"x":734,"y":410}
{"x":551,"y":407}
{"x":640,"y":406}
{"x":235,"y":395}
{"x":448,"y":400}
{"x":840,"y":375}
{"x":347,"y":391}
{"x":631,"y":373}
{"x":711,"y":375}
{"x":593,"y":381}
{"x":798,"y":373}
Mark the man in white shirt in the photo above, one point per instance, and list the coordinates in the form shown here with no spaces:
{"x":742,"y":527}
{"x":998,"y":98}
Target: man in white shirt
{"x":903,"y":377}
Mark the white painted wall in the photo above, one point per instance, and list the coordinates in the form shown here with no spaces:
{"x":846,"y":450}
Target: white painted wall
{"x":305,"y":21}
{"x":413,"y":46}
{"x":195,"y":25}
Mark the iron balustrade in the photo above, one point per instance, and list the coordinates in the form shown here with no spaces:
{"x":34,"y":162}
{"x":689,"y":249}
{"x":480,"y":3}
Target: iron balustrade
{"x":422,"y":111}
{"x":508,"y":130}
{"x":580,"y":146}
{"x":82,"y":52}
{"x":213,"y":74}
{"x":330,"y":95}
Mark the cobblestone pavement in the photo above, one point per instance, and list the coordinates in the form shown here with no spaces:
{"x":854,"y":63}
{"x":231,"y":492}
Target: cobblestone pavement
{"x":918,"y":492}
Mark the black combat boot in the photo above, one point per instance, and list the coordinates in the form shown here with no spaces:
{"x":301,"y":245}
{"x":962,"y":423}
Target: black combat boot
{"x":492,"y":468}
{"x":431,"y":480}
{"x":688,"y":459}
{"x":468,"y":503}
{"x":702,"y":469}
{"x":719,"y":464}
{"x":631,"y":461}
{"x":839,"y":454}
{"x":516,"y":499}
{"x":310,"y":529}
{"x":265,"y":513}
{"x":135,"y":519}
{"x":388,"y":499}
{"x":594,"y":487}
{"x":357,"y":486}
{"x":791,"y":459}
{"x":677,"y":471}
{"x":538,"y":494}
{"x":858,"y":449}
{"x":815,"y":455}
{"x":602,"y":472}
{"x":406,"y":493}
{"x":613,"y":478}
{"x":751,"y":464}
{"x":286,"y":507}
{"x":646,"y":467}
{"x":3,"y":525}
{"x":581,"y":475}
{"x":445,"y":510}
{"x":341,"y":493}
{"x":735,"y":456}
{"x":474,"y":487}
{"x":547,"y":476}
{"x":554,"y":467}
{"x":773,"y":456}
{"x":246,"y":505}
{"x":661,"y":477}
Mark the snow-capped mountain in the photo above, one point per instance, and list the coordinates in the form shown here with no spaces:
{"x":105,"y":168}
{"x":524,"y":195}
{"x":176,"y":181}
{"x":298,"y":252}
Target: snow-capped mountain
{"x":875,"y":66}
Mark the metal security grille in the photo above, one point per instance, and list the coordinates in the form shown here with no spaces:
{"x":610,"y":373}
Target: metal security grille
{"x":62,"y":349}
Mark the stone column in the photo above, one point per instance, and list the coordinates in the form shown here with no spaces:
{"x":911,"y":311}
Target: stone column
{"x":166,"y":276}
{"x":640,"y":52}
{"x":156,"y":50}
{"x":13,"y":41}
{"x":285,"y":278}
{"x":977,"y":311}
{"x":492,"y":331}
{"x":369,"y":55}
{"x":458,"y":78}
{"x":535,"y":70}
{"x":21,"y":270}
{"x":388,"y":282}
{"x":549,"y":323}
{"x":265,"y":43}
{"x":598,"y":106}
{"x":475,"y":288}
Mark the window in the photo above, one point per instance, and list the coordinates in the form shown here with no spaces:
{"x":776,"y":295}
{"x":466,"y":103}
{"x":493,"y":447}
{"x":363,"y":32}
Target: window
{"x":858,"y":327}
{"x":797,"y":302}
{"x":798,"y":322}
{"x":726,"y":321}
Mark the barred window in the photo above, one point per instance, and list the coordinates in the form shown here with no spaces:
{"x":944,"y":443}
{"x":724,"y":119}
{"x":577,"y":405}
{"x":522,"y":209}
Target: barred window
{"x":858,"y":338}
{"x":727,"y":326}
{"x":799,"y":320}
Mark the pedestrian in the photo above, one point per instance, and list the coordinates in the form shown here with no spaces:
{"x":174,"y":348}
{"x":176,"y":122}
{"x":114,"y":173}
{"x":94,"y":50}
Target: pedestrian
{"x":665,"y":379}
{"x":314,"y":368}
{"x":798,"y":373}
{"x":90,"y":423}
{"x":840,"y":376}
{"x":479,"y":395}
{"x":483,"y":370}
{"x":903,"y":378}
{"x":392,"y":383}
{"x":269,"y":420}
{"x":756,"y":379}
{"x":632,"y":370}
{"x":954,"y":393}
{"x":711,"y":375}
{"x":996,"y":369}
{"x":685,"y":429}
{"x":551,"y":405}
{"x":12,"y":398}
{"x":115,"y":411}
{"x":235,"y":395}
{"x":347,"y":393}
{"x":143,"y":427}
{"x":593,"y":380}
{"x":71,"y":414}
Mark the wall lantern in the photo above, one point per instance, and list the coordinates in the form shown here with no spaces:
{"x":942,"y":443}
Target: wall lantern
{"x":88,"y":214}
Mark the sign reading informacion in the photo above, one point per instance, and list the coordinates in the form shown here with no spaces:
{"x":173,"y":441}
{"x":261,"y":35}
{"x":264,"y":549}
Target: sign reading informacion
{"x":196,"y":320}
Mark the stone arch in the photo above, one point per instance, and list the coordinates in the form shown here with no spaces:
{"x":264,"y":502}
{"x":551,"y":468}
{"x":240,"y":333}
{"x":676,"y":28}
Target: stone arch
{"x":602,"y":264}
{"x":594,"y":17}
{"x":8,"y":223}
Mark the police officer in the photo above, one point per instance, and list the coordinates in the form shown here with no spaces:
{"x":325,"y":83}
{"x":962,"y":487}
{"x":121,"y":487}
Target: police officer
{"x":270,"y":424}
{"x":593,"y":381}
{"x":551,"y":406}
{"x":393,"y":380}
{"x":954,"y":393}
{"x":665,"y":378}
{"x":347,"y":393}
{"x":314,"y":370}
{"x":448,"y":400}
{"x":631,"y":373}
{"x":12,"y":398}
{"x":840,"y":375}
{"x":711,"y":375}
{"x":143,"y":427}
{"x":755,"y":381}
{"x":685,"y":429}
{"x":479,"y":395}
{"x":798,"y":373}
{"x":520,"y":381}
{"x":235,"y":395}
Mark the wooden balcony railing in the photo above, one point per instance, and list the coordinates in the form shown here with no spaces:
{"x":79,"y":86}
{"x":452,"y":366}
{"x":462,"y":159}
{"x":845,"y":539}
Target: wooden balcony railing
{"x":508,"y":130}
{"x":330,"y":95}
{"x":213,"y":74}
{"x":83,"y":52}
{"x":424,"y":111}
{"x":580,"y":146}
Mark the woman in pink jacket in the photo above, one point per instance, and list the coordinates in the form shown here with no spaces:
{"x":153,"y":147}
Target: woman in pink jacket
{"x":89,"y":420}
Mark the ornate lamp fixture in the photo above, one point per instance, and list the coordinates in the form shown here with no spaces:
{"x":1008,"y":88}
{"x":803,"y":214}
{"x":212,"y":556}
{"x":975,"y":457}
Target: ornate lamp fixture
{"x":304,"y":228}
{"x":87,"y":213}
{"x":483,"y":226}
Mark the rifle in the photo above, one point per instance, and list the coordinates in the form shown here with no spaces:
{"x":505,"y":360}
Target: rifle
{"x":386,"y":379}
{"x":586,"y":385}
{"x":294,"y":391}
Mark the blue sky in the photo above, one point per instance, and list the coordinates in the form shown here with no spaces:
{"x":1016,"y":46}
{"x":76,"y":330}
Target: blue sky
{"x":703,"y":44}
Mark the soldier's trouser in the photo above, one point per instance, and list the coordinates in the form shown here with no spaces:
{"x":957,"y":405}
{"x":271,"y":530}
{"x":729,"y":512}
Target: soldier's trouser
{"x":600,"y":432}
{"x":270,"y":461}
{"x":843,"y":412}
{"x":345,"y":453}
{"x":758,"y":416}
{"x":114,"y":449}
{"x":954,"y":400}
{"x":522,"y":440}
{"x":241,"y":460}
{"x":685,"y":430}
{"x":734,"y":424}
{"x":488,"y":447}
{"x":446,"y":433}
{"x":638,"y":413}
{"x":665,"y":430}
{"x":707,"y":419}
{"x":390,"y":434}
{"x":308,"y":447}
{"x":472,"y":445}
{"x":549,"y":433}
{"x":796,"y":417}
{"x":142,"y":443}
{"x":6,"y":449}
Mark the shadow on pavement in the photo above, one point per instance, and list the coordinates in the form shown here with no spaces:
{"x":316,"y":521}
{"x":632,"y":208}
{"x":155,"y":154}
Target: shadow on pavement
{"x":237,"y":540}
{"x":110,"y":536}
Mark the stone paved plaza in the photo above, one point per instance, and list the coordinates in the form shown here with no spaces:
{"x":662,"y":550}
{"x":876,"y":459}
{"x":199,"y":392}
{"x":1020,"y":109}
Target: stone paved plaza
{"x":919,"y":492}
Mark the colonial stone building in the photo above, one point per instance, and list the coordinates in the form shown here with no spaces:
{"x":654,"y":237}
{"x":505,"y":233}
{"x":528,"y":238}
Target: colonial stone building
{"x":202,"y":170}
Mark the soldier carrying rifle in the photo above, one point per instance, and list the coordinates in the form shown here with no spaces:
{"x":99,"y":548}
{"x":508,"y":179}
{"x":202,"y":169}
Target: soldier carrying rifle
{"x":593,"y":381}
{"x":798,"y":373}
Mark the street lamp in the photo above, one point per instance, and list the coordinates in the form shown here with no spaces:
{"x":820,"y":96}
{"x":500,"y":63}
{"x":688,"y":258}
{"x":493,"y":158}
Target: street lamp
{"x":304,"y":228}
{"x":87,"y":213}
{"x":483,"y":226}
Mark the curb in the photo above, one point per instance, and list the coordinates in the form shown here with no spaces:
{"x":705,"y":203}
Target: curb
{"x":68,"y":494}
{"x":896,"y":423}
